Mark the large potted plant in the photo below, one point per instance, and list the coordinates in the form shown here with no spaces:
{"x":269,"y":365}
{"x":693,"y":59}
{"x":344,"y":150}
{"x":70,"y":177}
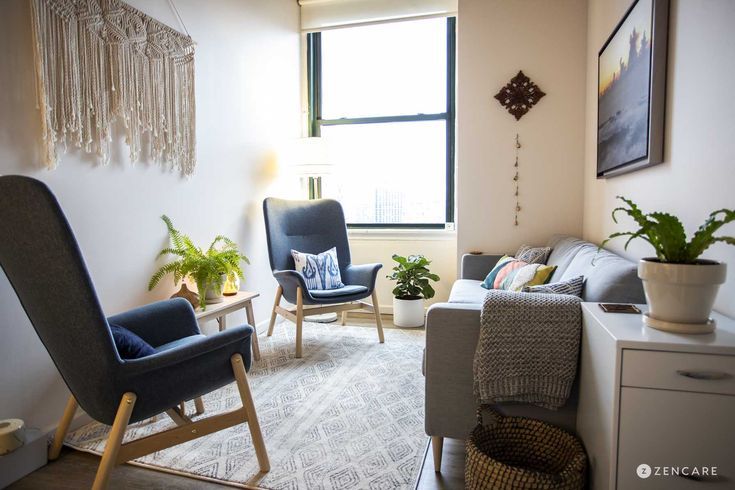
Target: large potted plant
{"x":207,"y":269}
{"x":680,"y":287}
{"x":412,"y":278}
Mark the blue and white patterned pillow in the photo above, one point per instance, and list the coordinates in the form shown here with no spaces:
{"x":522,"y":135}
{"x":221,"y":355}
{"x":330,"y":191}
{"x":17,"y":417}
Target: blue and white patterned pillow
{"x":320,"y":271}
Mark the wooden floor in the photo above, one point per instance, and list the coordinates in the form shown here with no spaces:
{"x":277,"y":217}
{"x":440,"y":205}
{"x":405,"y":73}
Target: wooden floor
{"x":452,"y":474}
{"x":76,"y":470}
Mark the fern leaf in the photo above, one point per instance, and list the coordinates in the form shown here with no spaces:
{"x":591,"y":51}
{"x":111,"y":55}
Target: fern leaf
{"x":166,"y":269}
{"x":703,"y":237}
{"x":173,"y":233}
{"x":632,"y":210}
{"x":725,"y":239}
{"x":172,"y":251}
{"x":670,"y":236}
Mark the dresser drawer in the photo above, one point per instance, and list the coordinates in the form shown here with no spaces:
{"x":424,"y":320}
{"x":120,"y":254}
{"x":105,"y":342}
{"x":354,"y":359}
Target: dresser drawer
{"x":679,"y":371}
{"x":675,"y":429}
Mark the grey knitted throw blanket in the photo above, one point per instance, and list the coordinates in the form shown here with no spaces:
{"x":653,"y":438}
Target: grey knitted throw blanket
{"x":528,"y":348}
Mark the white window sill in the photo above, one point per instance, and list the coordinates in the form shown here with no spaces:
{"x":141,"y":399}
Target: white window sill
{"x":400,"y":234}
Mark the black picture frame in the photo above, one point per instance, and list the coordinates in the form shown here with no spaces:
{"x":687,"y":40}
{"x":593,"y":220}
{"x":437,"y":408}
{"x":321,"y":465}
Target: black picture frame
{"x":631,"y":105}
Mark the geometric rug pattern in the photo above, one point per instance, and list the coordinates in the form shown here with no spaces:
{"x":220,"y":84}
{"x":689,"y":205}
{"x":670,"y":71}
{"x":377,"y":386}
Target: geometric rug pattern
{"x":349,"y":414}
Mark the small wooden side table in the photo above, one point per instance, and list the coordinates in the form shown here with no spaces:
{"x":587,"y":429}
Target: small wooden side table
{"x":219,"y":312}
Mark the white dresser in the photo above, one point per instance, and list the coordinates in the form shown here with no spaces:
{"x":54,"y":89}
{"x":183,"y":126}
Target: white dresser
{"x":658,"y":399}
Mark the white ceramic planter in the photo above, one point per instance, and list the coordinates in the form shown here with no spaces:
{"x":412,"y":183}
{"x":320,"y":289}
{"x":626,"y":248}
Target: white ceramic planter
{"x":680,"y":296}
{"x":213,"y":293}
{"x":408,"y":313}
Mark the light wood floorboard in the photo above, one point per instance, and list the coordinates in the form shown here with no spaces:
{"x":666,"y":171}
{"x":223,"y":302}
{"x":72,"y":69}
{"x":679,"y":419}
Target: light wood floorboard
{"x":74,"y":470}
{"x":452,"y":475}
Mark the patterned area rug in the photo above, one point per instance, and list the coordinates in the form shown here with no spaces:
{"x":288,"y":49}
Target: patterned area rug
{"x":349,"y":414}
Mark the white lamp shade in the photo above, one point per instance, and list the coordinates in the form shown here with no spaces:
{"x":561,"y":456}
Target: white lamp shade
{"x":308,"y":157}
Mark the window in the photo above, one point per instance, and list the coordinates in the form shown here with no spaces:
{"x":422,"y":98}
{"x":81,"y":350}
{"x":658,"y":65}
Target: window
{"x":383,"y":95}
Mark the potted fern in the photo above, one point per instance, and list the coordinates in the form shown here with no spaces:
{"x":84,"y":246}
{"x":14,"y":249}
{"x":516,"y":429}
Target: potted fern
{"x":208,"y":269}
{"x":412,"y":278}
{"x":680,"y":287}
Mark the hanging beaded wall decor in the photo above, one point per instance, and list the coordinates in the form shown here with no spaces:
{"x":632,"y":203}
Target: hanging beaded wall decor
{"x":98,"y":61}
{"x":516,"y":178}
{"x":518,"y":96}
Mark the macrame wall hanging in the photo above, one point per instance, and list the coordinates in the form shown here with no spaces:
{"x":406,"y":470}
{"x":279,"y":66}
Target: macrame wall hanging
{"x":518,"y":96}
{"x":98,"y":61}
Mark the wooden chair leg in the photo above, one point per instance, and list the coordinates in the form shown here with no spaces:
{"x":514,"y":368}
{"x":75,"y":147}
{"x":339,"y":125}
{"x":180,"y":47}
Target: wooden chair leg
{"x":109,"y":457}
{"x":247,"y":402}
{"x":199,"y":404}
{"x":437,"y":443}
{"x":344,"y":318}
{"x":179,"y":418}
{"x":254,"y":337}
{"x":61,"y":430}
{"x":279,"y":293}
{"x":378,"y":320}
{"x":299,"y":321}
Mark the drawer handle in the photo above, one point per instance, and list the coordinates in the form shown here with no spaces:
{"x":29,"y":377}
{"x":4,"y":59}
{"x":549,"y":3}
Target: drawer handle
{"x":706,"y":375}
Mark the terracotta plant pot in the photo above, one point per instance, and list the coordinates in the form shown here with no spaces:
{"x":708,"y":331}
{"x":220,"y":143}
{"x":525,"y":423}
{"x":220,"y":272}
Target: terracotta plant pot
{"x":680,"y":296}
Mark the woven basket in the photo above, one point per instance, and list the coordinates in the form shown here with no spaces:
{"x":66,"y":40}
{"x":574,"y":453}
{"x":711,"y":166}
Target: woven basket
{"x":521,"y":453}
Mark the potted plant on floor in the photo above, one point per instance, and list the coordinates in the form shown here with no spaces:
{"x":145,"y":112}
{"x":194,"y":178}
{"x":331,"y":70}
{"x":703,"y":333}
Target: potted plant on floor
{"x":209,"y":270}
{"x":680,"y":287}
{"x":412,"y":278}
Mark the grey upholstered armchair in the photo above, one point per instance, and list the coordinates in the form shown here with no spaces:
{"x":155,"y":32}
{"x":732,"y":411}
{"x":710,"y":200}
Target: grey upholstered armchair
{"x":314,"y":227}
{"x":43,"y":263}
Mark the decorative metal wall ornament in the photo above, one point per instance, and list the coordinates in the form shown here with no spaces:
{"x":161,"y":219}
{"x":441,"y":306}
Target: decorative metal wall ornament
{"x":101,"y":60}
{"x":519,"y":95}
{"x":516,"y":178}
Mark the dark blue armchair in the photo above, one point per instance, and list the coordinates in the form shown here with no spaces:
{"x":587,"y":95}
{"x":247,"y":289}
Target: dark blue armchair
{"x":43,"y":263}
{"x":314,"y":227}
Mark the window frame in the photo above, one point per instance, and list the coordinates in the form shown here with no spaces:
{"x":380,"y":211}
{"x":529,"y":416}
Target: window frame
{"x":316,"y":121}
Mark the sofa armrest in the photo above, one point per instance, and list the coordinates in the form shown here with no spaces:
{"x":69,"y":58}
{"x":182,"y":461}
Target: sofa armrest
{"x":478,"y":266}
{"x":452,"y":331}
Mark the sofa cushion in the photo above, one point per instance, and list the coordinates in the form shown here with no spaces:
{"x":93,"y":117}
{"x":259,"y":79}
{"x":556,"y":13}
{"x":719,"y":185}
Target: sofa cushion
{"x":320,"y":271}
{"x":608,"y":277}
{"x":512,"y":274}
{"x":573,"y":286}
{"x":563,"y":250}
{"x":128,"y":344}
{"x":533,"y":255}
{"x":489,"y":282}
{"x":467,"y":291}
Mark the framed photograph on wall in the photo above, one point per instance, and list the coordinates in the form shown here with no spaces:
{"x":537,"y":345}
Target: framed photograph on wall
{"x":631,"y":90}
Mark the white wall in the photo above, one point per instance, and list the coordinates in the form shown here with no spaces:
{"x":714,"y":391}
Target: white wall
{"x":440,"y":247}
{"x":698,"y":173}
{"x":247,"y":89}
{"x":546,"y":40}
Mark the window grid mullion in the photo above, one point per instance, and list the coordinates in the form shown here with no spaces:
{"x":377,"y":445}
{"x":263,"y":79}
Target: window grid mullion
{"x":384,"y":119}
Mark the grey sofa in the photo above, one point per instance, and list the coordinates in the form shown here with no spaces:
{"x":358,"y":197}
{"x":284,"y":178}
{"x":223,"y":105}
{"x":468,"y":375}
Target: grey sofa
{"x":453,"y":328}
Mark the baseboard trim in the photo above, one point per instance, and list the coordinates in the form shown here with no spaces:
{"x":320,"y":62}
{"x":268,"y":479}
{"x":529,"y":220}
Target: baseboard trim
{"x":80,"y":418}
